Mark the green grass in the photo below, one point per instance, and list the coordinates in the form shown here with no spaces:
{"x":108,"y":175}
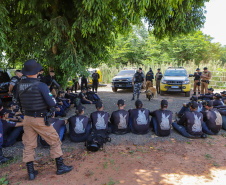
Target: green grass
{"x":208,"y":156}
{"x":3,"y":180}
{"x":105,"y":165}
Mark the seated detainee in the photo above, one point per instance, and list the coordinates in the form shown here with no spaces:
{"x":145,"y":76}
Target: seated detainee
{"x":100,"y":118}
{"x":161,"y":120}
{"x":223,"y":94}
{"x":11,"y":130}
{"x":60,"y":111}
{"x":223,"y":115}
{"x":207,"y":96}
{"x":66,"y":102}
{"x":217,"y":100}
{"x":92,"y":96}
{"x":60,"y":127}
{"x":79,"y":125}
{"x":212,"y":120}
{"x":120,"y":119}
{"x":190,"y":124}
{"x":186,"y":106}
{"x":83,"y":98}
{"x":139,"y":119}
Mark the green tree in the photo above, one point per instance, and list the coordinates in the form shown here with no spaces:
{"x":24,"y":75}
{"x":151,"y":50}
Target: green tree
{"x":72,"y":34}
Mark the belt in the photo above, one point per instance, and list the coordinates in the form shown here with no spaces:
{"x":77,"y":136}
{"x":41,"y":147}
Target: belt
{"x":40,"y":114}
{"x":204,"y":80}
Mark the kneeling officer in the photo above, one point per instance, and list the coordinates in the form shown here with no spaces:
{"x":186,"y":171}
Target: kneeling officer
{"x":35,"y":100}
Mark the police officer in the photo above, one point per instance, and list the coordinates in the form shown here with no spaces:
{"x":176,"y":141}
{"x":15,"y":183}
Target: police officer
{"x":40,"y":75}
{"x":158,"y":78}
{"x":75,"y":83}
{"x":205,"y":80}
{"x":120,"y":119}
{"x":138,"y":80}
{"x":95,"y":77}
{"x":3,"y":159}
{"x":161,"y":120}
{"x":83,"y":82}
{"x":139,"y":119}
{"x":149,"y":79}
{"x":197,"y":82}
{"x":13,"y":83}
{"x":35,"y":99}
{"x":190,"y":124}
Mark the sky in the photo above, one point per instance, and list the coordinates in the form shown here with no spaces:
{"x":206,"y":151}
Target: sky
{"x":215,"y":24}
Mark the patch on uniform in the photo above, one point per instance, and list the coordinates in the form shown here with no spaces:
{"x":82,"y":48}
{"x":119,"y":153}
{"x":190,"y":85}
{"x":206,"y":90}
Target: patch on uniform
{"x":0,"y":135}
{"x":50,"y":94}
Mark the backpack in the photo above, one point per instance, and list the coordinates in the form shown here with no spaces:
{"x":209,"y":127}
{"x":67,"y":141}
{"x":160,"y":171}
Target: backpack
{"x":96,"y":140}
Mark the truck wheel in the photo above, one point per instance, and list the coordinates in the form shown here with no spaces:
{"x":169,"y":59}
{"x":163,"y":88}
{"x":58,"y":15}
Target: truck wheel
{"x":162,"y":93}
{"x":187,"y":94}
{"x":114,"y":89}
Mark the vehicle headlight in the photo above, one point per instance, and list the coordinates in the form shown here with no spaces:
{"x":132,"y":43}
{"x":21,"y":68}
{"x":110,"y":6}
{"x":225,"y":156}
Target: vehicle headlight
{"x":164,"y":81}
{"x":186,"y":82}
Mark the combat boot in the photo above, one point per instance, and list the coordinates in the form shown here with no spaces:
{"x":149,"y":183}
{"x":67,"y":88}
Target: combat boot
{"x":198,"y":92}
{"x":132,"y":97}
{"x":31,"y":172}
{"x":138,"y":96}
{"x":4,"y":159}
{"x":61,"y":167}
{"x":194,"y":94}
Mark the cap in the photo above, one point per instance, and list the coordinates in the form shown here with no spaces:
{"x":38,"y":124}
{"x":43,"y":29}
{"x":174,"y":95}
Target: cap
{"x":194,"y":98}
{"x":99,"y":104}
{"x":4,"y":111}
{"x":18,"y":71}
{"x":138,"y":103}
{"x":217,"y":95}
{"x":197,"y":69}
{"x":84,"y":89}
{"x":31,"y":67}
{"x":140,"y":68}
{"x":205,"y":68}
{"x":224,"y":92}
{"x":89,"y":88}
{"x":159,"y":69}
{"x":164,"y":103}
{"x":150,"y":69}
{"x":209,"y":103}
{"x":194,"y":104}
{"x":121,"y":102}
{"x":211,"y":89}
{"x":80,"y":108}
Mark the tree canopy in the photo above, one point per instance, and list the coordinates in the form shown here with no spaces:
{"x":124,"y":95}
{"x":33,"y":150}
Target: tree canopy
{"x":71,"y":34}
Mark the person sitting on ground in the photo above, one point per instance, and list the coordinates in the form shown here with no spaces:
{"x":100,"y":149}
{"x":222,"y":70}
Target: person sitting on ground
{"x":60,"y":127}
{"x":217,"y":100}
{"x":3,"y":159}
{"x":223,"y":94}
{"x":186,"y":106}
{"x":11,"y":130}
{"x":71,"y":96}
{"x":161,"y":120}
{"x":79,"y":125}
{"x":66,"y":102}
{"x":207,"y":96}
{"x":139,"y":119}
{"x":190,"y":124}
{"x":83,"y":98}
{"x":120,"y":119}
{"x":223,"y":115}
{"x":212,"y":120}
{"x":100,"y":118}
{"x":92,"y":96}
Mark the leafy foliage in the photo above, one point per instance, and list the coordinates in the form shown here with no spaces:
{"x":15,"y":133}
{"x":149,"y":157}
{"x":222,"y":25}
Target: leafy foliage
{"x":73,"y":34}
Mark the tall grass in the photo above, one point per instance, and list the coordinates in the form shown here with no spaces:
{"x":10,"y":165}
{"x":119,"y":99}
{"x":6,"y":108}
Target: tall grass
{"x":217,"y":68}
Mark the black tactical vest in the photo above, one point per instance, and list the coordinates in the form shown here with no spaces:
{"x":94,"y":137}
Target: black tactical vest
{"x":138,"y":77}
{"x":149,"y":76}
{"x":31,"y":99}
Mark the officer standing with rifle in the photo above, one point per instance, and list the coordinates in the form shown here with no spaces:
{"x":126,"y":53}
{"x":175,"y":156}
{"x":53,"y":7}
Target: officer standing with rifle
{"x":149,"y":79}
{"x":138,"y":81}
{"x":158,"y":78}
{"x":205,"y":77}
{"x":36,"y":102}
{"x":197,"y":82}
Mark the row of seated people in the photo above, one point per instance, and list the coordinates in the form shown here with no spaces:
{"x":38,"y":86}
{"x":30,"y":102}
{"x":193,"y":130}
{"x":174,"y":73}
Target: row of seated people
{"x":192,"y":124}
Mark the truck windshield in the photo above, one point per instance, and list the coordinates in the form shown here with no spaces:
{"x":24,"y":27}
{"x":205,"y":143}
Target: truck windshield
{"x":126,"y":73}
{"x":175,"y":73}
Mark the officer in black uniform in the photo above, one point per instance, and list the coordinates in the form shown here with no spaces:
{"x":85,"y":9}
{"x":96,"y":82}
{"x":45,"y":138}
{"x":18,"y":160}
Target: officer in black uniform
{"x":13,"y":84}
{"x":197,"y":82}
{"x":212,"y":120}
{"x":158,"y":78}
{"x":190,"y":124}
{"x":95,"y":77}
{"x":3,"y":159}
{"x":138,"y":81}
{"x":75,"y":83}
{"x":35,"y":100}
{"x":161,"y":120}
{"x":83,"y":82}
{"x":149,"y":79}
{"x":120,"y":119}
{"x":40,"y":75}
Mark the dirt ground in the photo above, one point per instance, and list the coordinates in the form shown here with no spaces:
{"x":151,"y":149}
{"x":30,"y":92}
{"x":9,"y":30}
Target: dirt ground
{"x":130,"y":159}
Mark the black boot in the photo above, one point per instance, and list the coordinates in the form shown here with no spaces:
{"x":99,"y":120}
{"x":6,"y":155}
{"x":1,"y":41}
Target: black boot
{"x":138,"y":96}
{"x":31,"y":172}
{"x":194,"y":93}
{"x":61,"y":167}
{"x":198,"y":92}
{"x":132,"y":97}
{"x":4,"y":159}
